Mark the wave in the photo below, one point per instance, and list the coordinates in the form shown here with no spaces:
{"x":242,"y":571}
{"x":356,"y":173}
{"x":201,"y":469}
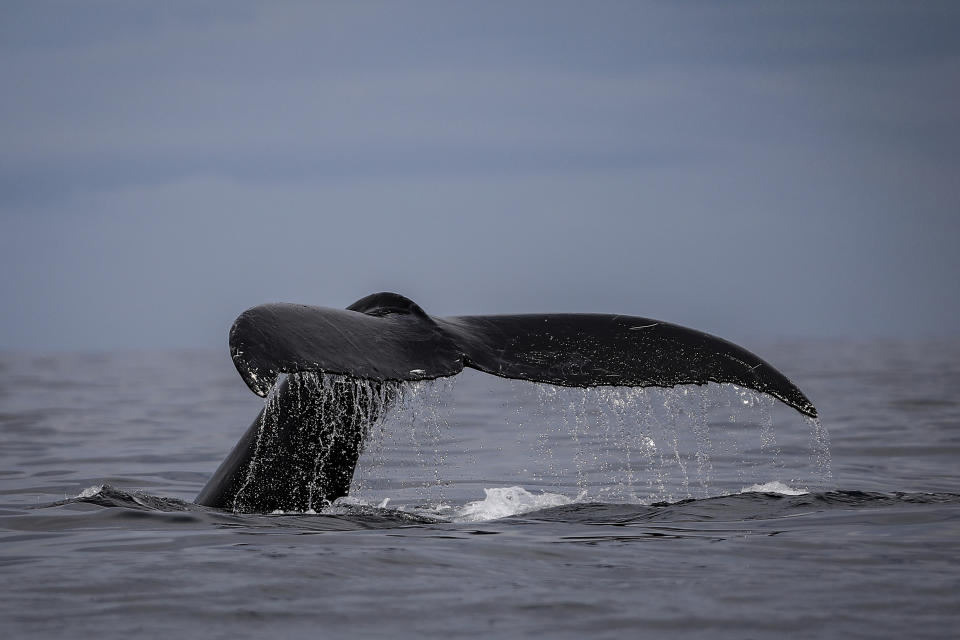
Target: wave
{"x":771,"y":504}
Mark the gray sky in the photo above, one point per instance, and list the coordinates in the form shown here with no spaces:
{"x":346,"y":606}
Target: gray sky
{"x":756,"y":170}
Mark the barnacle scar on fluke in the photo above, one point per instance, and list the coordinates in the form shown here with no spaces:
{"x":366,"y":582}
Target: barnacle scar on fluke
{"x":344,"y":367}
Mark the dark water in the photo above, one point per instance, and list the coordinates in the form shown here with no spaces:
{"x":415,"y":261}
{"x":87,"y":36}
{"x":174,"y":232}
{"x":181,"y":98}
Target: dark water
{"x":629,"y":515}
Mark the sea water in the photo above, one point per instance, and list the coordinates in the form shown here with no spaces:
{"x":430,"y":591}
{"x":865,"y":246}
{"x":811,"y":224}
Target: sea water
{"x":485,"y":507}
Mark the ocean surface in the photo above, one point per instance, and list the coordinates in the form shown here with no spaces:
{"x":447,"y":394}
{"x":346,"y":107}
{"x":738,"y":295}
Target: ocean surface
{"x":485,"y":507}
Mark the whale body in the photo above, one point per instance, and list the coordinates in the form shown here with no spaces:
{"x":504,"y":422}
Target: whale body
{"x":301,"y":451}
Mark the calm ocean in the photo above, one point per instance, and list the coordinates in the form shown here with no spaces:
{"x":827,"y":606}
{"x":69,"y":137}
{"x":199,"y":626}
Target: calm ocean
{"x":485,"y":507}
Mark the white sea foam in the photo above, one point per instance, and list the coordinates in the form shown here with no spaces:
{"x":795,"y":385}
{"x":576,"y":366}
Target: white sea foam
{"x":773,"y":487}
{"x":89,"y":492}
{"x":281,"y":512}
{"x":349,"y":501}
{"x":508,"y":501}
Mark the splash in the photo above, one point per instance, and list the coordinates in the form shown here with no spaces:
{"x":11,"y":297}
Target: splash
{"x":508,"y":501}
{"x":774,"y":487}
{"x":90,"y":492}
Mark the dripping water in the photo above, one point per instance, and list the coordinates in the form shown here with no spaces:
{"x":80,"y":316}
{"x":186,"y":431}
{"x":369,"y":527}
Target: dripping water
{"x":333,"y":412}
{"x":612,"y":444}
{"x":406,"y":454}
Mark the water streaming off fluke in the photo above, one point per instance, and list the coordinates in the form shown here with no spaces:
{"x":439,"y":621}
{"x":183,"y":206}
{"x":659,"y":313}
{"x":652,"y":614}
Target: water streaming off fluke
{"x":611,"y":444}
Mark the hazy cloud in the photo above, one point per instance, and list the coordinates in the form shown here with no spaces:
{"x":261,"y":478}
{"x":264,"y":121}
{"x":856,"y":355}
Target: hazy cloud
{"x":758,"y":169}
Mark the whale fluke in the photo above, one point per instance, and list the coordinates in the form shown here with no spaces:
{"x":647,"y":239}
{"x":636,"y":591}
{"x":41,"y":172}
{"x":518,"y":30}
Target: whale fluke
{"x":386,"y":338}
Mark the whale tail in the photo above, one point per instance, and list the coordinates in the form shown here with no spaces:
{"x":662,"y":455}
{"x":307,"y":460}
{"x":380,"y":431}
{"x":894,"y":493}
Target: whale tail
{"x":303,"y":451}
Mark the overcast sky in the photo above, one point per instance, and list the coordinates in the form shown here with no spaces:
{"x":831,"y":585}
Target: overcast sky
{"x":753,"y":170}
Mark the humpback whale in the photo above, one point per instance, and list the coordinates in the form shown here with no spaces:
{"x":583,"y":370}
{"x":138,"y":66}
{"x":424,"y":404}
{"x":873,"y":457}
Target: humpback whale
{"x":344,"y":367}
